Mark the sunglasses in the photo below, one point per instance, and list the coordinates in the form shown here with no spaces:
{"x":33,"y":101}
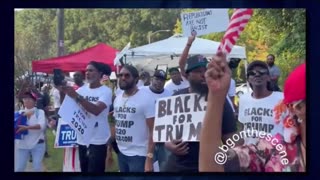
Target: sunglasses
{"x":126,"y":75}
{"x":256,"y":72}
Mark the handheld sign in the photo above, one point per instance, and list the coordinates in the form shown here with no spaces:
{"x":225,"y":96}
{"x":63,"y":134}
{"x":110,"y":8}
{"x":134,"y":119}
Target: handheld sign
{"x":77,"y":118}
{"x":179,"y":117}
{"x":204,"y":22}
{"x":66,"y":136}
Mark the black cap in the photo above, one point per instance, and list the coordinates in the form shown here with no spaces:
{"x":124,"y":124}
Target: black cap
{"x":257,"y":63}
{"x":173,"y":69}
{"x":196,"y":61}
{"x":161,"y":74}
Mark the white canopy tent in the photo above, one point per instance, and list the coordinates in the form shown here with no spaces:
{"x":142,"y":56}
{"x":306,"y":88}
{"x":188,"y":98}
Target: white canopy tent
{"x":167,"y":52}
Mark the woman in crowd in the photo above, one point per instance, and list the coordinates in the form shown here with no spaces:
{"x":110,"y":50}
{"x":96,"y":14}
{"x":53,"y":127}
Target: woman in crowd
{"x":263,"y":156}
{"x":33,"y":142}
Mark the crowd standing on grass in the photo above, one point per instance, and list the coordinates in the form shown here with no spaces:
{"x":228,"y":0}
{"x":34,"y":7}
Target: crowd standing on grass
{"x":122,"y":115}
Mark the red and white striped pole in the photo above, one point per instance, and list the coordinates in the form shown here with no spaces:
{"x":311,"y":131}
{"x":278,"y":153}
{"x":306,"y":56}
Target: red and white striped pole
{"x":239,"y":20}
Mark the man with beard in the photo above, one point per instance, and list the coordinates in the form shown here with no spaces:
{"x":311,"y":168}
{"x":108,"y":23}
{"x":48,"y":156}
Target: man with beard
{"x":274,"y":72}
{"x":176,"y":82}
{"x":185,"y":155}
{"x":134,"y":112}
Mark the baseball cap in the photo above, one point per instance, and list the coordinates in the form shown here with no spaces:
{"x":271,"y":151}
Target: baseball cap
{"x":295,"y":85}
{"x":160,"y":74}
{"x":257,"y":63}
{"x":196,"y":61}
{"x":173,"y":69}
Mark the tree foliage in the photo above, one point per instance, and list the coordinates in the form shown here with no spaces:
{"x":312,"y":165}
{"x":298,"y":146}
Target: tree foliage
{"x":277,"y":31}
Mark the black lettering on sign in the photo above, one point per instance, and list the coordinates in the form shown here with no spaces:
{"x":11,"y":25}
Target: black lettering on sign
{"x":186,"y":108}
{"x":164,"y":108}
{"x":161,"y":108}
{"x":178,"y":105}
{"x":169,"y":135}
{"x":194,"y":131}
{"x":189,"y":117}
{"x":179,"y":131}
{"x":159,"y":129}
{"x":189,"y":23}
{"x":197,"y":106}
{"x":201,"y":21}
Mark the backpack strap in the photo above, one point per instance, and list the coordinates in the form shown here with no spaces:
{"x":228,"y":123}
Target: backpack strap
{"x":37,"y":112}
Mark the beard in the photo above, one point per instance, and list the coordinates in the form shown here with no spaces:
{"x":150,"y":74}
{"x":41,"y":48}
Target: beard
{"x":270,"y":63}
{"x":126,"y":85}
{"x":199,"y":88}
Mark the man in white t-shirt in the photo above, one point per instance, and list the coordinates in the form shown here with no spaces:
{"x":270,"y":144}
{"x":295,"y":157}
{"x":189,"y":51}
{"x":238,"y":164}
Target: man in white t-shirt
{"x":256,"y":108}
{"x":95,"y":99}
{"x":177,"y":82}
{"x":134,"y":111}
{"x":157,"y":90}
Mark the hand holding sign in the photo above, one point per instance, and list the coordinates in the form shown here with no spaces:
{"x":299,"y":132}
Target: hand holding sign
{"x":218,"y":75}
{"x":192,"y":38}
{"x":178,"y":147}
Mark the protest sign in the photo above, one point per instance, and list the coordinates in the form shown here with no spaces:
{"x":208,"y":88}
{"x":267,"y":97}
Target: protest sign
{"x":66,"y":136}
{"x":179,"y":117}
{"x":204,"y":22}
{"x":76,"y":117}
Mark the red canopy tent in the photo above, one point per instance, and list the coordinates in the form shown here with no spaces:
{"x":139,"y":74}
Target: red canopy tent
{"x":77,"y":61}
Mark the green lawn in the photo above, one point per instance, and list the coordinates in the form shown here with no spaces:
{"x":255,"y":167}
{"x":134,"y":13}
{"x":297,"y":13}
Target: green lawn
{"x":55,"y":161}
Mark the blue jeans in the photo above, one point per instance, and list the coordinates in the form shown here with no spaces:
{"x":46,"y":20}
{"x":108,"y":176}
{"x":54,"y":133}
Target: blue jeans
{"x":161,"y":155}
{"x":131,"y":163}
{"x":23,"y":156}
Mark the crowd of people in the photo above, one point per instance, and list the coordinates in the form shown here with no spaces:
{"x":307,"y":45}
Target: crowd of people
{"x":131,"y":105}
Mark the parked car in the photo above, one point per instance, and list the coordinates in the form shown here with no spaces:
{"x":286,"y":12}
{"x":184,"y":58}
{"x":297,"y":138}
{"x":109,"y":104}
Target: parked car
{"x":242,"y":89}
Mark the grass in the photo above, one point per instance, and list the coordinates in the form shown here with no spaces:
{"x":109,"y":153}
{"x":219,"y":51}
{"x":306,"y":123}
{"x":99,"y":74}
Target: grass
{"x":55,"y":162}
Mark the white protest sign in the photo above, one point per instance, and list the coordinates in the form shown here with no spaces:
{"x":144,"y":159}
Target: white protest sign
{"x":76,"y":117}
{"x":120,"y":54}
{"x":66,"y":136}
{"x":204,"y":22}
{"x":179,"y":117}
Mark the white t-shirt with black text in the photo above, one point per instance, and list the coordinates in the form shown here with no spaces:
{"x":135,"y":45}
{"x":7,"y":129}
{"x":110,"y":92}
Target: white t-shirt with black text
{"x":169,"y":85}
{"x":131,"y":127}
{"x":101,"y":132}
{"x":258,"y":114}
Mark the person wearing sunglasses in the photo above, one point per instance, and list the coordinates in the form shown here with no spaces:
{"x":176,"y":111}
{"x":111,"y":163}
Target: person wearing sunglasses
{"x":134,"y":112}
{"x":256,"y":108}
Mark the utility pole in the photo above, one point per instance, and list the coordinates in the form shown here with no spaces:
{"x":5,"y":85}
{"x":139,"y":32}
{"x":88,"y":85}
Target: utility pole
{"x":60,"y":31}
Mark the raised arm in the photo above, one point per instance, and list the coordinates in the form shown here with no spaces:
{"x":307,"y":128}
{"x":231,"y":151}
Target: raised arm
{"x":218,"y":80}
{"x":184,"y":55}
